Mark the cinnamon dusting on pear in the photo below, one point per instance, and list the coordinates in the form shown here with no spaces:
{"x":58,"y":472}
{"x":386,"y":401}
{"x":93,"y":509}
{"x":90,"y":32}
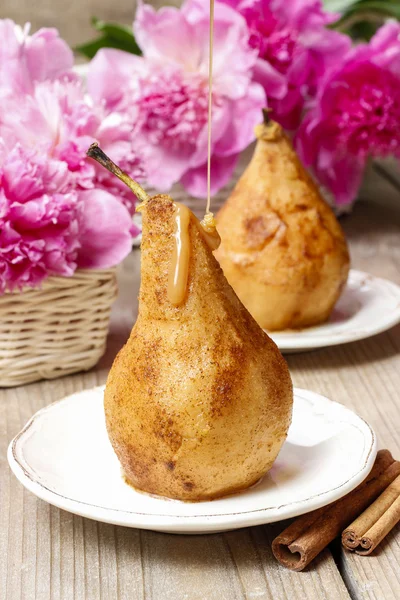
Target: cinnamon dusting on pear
{"x":282,"y":250}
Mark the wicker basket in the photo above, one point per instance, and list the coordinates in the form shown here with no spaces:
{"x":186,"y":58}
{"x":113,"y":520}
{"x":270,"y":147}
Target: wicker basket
{"x":56,"y":330}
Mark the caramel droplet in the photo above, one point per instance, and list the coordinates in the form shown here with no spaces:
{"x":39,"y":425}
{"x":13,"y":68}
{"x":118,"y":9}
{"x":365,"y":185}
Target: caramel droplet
{"x":207,"y":228}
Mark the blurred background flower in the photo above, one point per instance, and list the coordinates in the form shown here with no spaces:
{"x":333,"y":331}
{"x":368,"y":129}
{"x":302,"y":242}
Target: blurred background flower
{"x":355,"y":114}
{"x":294,"y":49}
{"x":320,"y":84}
{"x":165,"y":92}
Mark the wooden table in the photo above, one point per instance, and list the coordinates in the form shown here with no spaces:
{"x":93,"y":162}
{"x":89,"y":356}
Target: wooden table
{"x":46,"y":553}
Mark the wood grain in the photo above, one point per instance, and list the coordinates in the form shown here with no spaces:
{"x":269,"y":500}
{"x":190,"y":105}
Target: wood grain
{"x":366,"y":377}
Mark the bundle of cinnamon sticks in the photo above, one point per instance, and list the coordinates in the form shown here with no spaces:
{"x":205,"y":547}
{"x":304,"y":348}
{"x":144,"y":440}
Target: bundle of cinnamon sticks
{"x":300,"y":543}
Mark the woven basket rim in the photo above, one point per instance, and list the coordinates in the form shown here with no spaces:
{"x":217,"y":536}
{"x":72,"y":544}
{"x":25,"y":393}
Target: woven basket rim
{"x":56,"y":329}
{"x":55,"y":280}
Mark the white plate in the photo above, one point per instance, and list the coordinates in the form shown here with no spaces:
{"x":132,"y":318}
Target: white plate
{"x":368,"y":305}
{"x":63,"y":455}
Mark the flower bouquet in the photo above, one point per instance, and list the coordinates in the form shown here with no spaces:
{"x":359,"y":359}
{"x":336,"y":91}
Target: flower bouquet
{"x":330,"y":78}
{"x":64,"y":225}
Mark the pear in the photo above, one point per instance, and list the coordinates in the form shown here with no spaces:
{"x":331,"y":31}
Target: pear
{"x":282,"y":250}
{"x":199,"y":400}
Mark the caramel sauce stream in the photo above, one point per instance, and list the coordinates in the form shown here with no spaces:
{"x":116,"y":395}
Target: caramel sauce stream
{"x":179,"y":268}
{"x":210,"y":75}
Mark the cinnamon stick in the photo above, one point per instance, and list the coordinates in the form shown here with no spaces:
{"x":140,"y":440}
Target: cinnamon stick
{"x":369,"y":529}
{"x":300,"y":543}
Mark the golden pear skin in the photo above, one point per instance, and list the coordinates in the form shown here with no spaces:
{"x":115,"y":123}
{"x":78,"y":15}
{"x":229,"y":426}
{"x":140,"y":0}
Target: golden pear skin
{"x":282,"y":250}
{"x":199,"y":400}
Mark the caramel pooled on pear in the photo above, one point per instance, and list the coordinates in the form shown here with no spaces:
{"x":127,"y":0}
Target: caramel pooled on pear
{"x":199,"y":400}
{"x":282,"y":250}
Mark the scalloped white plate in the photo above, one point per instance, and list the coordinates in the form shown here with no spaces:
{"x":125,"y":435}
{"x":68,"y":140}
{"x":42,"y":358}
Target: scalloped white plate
{"x":368,"y":305}
{"x":64,"y":457}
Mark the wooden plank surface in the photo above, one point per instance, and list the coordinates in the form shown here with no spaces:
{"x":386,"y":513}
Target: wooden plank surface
{"x":46,"y":553}
{"x":366,"y":377}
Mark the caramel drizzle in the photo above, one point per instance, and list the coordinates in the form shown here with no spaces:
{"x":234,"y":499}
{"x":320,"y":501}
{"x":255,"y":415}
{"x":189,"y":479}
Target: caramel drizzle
{"x":210,"y":75}
{"x":179,"y":267}
{"x":208,"y":230}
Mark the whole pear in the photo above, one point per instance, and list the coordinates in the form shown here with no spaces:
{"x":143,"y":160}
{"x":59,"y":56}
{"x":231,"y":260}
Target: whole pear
{"x":283,"y":250}
{"x":199,"y":400}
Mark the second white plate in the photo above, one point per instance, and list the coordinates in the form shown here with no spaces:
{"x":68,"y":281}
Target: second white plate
{"x":63,"y":455}
{"x":368,"y":305}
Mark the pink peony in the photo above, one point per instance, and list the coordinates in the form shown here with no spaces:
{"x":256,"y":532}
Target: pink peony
{"x":165,"y":92}
{"x":294,"y":50}
{"x":58,"y":210}
{"x":356,"y":114}
{"x":38,"y":219}
{"x":48,"y":225}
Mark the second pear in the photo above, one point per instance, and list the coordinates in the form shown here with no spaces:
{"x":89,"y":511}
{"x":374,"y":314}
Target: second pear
{"x":282,"y":249}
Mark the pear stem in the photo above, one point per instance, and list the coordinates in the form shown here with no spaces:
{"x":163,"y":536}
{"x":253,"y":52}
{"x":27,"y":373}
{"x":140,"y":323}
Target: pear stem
{"x":266,"y":118}
{"x":98,"y":155}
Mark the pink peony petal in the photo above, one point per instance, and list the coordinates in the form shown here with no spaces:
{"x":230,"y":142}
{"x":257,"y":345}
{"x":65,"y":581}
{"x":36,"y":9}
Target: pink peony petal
{"x":341,"y":175}
{"x":165,"y":166}
{"x":46,"y":44}
{"x":156,"y":33}
{"x":288,"y":111}
{"x":385,"y":46}
{"x":245,"y":114}
{"x":222,"y":167}
{"x":27,"y":175}
{"x":105,"y":226}
{"x":14,"y":74}
{"x":110,"y":73}
{"x":221,"y":122}
{"x":326,"y":49}
{"x":274,"y":83}
{"x":303,"y":14}
{"x":9,"y":43}
{"x":24,"y":60}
